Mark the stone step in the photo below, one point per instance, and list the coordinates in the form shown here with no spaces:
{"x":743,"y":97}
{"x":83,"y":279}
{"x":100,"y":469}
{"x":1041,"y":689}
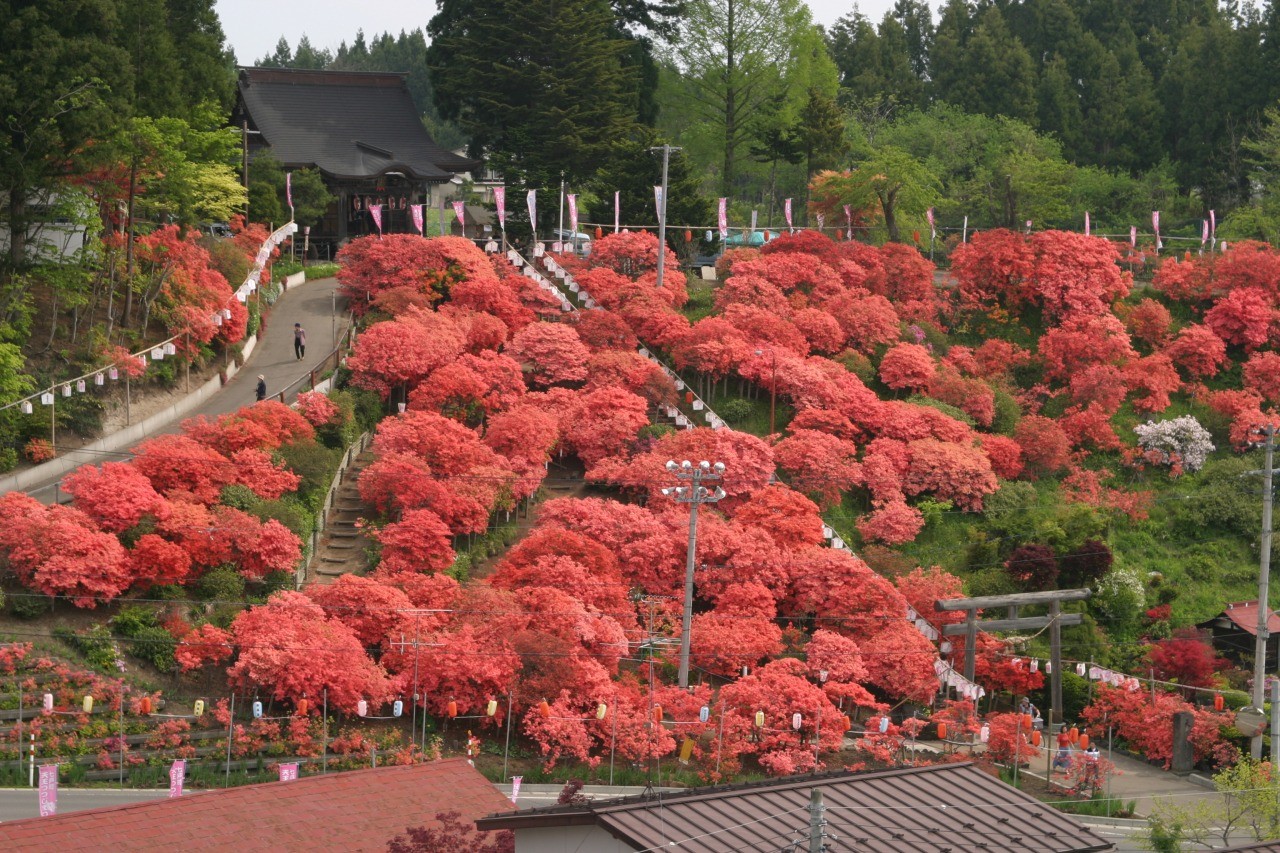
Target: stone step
{"x":332,"y":572}
{"x":343,"y":532}
{"x":335,"y":558}
{"x":343,"y":544}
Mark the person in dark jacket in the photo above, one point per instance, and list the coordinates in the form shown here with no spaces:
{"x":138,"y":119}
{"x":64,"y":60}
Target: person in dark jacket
{"x":299,"y":341}
{"x":262,"y":387}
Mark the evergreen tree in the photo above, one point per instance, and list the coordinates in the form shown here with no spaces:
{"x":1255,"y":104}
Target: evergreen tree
{"x":998,"y":76}
{"x":916,"y":20}
{"x":632,"y":169}
{"x":821,"y":132}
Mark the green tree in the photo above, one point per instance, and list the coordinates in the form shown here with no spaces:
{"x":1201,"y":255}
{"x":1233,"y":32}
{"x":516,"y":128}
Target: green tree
{"x":539,"y":87}
{"x":891,"y":180}
{"x":633,"y":168}
{"x":62,"y":83}
{"x":311,"y":198}
{"x":821,"y":132}
{"x":1249,"y":805}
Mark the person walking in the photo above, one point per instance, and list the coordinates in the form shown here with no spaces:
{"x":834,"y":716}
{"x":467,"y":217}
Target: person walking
{"x":262,"y":387}
{"x":299,"y":341}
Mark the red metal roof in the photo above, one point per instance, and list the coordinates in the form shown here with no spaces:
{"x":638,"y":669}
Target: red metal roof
{"x":1245,"y":615}
{"x":945,"y":808}
{"x":355,"y":810}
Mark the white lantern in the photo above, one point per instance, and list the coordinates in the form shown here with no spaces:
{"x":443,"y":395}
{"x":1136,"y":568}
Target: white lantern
{"x":99,"y":379}
{"x":66,"y":390}
{"x":170,"y":348}
{"x":796,"y":721}
{"x":142,"y":360}
{"x":241,"y":297}
{"x":157,"y":353}
{"x":217,"y":319}
{"x":48,"y":701}
{"x":114,"y":373}
{"x":26,"y":407}
{"x":557,"y":246}
{"x":698,"y":405}
{"x":226,"y":313}
{"x":80,"y":386}
{"x":539,"y":250}
{"x":362,"y":708}
{"x":984,"y":734}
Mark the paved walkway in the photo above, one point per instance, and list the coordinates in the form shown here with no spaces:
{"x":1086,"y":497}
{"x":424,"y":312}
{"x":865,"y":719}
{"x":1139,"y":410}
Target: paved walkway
{"x":313,"y":305}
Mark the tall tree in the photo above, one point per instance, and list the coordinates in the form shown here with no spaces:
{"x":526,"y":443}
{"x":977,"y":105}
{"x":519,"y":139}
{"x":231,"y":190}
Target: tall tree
{"x":540,"y":87}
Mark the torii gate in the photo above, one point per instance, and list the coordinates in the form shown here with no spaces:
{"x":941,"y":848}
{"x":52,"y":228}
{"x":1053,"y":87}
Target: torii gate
{"x":1053,"y":621}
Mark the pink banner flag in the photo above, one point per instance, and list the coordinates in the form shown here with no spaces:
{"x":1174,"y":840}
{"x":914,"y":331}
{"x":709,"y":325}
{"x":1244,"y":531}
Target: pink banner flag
{"x":573,"y":213}
{"x":515,"y":788}
{"x":500,"y":201}
{"x":933,"y":229}
{"x":786,"y":210}
{"x":375,"y":210}
{"x":1213,"y":225}
{"x":617,"y":211}
{"x":532,"y":199}
{"x":177,"y":775}
{"x":288,"y":188}
{"x":48,"y":789}
{"x":288,"y":772}
{"x":415,"y":210}
{"x":460,"y":211}
{"x":848,"y":219}
{"x":1133,"y":236}
{"x":1204,"y":232}
{"x":723,"y":218}
{"x":1028,"y":226}
{"x":1086,"y":223}
{"x":1155,"y":226}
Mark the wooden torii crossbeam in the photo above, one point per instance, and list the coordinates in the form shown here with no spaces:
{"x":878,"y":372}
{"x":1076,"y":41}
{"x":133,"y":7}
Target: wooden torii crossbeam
{"x":1054,"y":621}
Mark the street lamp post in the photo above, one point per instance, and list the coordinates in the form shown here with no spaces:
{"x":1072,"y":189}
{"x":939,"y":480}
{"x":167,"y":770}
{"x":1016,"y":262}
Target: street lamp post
{"x":694,"y":495}
{"x":773,"y":387}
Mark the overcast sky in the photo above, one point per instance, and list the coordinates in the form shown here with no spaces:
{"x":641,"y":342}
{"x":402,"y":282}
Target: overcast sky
{"x":253,"y":26}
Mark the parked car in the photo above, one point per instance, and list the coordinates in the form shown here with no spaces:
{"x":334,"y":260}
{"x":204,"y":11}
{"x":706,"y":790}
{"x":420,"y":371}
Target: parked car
{"x":217,"y":230}
{"x":582,"y":242}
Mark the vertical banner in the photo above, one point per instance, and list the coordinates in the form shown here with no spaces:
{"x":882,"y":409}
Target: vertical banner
{"x":1028,"y":226}
{"x":1086,"y":223}
{"x":532,"y":199}
{"x":460,"y":211}
{"x":573,"y":216}
{"x":848,"y":219}
{"x":964,"y":231}
{"x":755,"y":214}
{"x":933,"y":228}
{"x":515,"y":788}
{"x":48,"y":789}
{"x":1213,"y":225}
{"x":657,"y":202}
{"x":822,"y":222}
{"x":375,"y":210}
{"x":288,"y":189}
{"x":1133,"y":236}
{"x":786,"y":209}
{"x":617,"y":211}
{"x":1204,"y":233}
{"x":1155,"y":226}
{"x":415,"y":210}
{"x":500,"y":202}
{"x":177,"y":775}
{"x":288,"y":772}
{"x":723,"y":218}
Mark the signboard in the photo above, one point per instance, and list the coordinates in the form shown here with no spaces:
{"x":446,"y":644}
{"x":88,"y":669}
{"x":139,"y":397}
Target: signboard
{"x":1250,"y":721}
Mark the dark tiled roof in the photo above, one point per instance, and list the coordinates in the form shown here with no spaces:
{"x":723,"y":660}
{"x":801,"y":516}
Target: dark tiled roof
{"x":941,"y":809}
{"x":1257,"y":847}
{"x":356,"y":810}
{"x":347,"y":124}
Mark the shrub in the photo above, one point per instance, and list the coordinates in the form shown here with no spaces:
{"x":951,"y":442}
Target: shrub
{"x":132,"y":620}
{"x":1180,"y":443}
{"x":221,"y":584}
{"x":28,"y":605}
{"x":38,"y":450}
{"x":315,"y":464}
{"x":736,"y":411}
{"x":155,"y":646}
{"x":94,"y":644}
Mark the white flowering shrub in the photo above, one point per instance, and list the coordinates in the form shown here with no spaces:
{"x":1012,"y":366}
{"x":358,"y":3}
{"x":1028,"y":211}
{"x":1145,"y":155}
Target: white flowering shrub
{"x":1180,"y":442}
{"x":1120,"y":595}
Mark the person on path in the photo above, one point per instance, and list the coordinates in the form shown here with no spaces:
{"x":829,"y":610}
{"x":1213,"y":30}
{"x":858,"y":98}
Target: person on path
{"x":262,"y":387}
{"x":1062,"y":761}
{"x":299,"y":341}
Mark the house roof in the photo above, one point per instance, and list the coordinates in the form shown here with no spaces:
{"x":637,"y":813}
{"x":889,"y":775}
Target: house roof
{"x":356,"y":810}
{"x":348,"y":124}
{"x":1244,"y":615}
{"x":947,"y":807}
{"x":1257,"y":847}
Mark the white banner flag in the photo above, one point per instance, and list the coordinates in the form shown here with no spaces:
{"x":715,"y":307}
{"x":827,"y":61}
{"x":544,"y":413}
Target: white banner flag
{"x":723,"y":218}
{"x":617,"y":211}
{"x":500,"y":202}
{"x":532,"y":199}
{"x":573,"y":214}
{"x":786,"y":209}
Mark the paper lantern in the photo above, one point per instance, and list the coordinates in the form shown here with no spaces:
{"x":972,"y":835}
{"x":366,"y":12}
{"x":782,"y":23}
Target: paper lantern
{"x":942,"y":731}
{"x":759,"y":719}
{"x":767,"y":237}
{"x":362,"y":708}
{"x":198,"y":708}
{"x":544,"y":709}
{"x":839,"y":234}
{"x":1084,"y":741}
{"x":688,"y":396}
{"x":99,"y":379}
{"x":157,"y":353}
{"x":144,"y":706}
{"x":80,"y":386}
{"x":1080,"y":670}
{"x":48,"y":702}
{"x":601,"y":710}
{"x":1036,"y":739}
{"x":226,"y":313}
{"x":113,"y":373}
{"x":257,"y":710}
{"x":88,"y":705}
{"x":397,"y":708}
{"x":303,"y":705}
{"x":1074,"y":734}
{"x":915,"y":235}
{"x":984,"y":734}
{"x":599,"y":232}
{"x":66,"y":390}
{"x":26,"y":407}
{"x":688,"y":235}
{"x":657,"y":713}
{"x":170,"y":348}
{"x":704,"y":714}
{"x":884,"y":724}
{"x":845,"y":723}
{"x":491,"y":708}
{"x":797,"y":721}
{"x":452,"y":708}
{"x":1218,"y":702}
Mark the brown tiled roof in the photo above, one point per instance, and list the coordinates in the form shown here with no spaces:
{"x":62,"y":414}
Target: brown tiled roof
{"x":356,"y":810}
{"x":347,"y":124}
{"x":946,"y":808}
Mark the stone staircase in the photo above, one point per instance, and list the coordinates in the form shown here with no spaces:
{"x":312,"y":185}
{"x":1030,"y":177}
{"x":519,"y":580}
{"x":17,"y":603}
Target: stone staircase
{"x":342,"y":546}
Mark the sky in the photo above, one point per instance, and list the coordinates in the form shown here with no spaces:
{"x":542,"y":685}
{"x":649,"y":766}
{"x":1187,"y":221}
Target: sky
{"x":253,"y":27}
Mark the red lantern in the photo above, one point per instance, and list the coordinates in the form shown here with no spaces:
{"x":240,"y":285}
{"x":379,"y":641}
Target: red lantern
{"x":846,"y":723}
{"x":1187,"y":256}
{"x":453,"y":708}
{"x":1074,"y":734}
{"x":1036,"y":739}
{"x":144,"y":707}
{"x":599,"y":232}
{"x":1027,"y":721}
{"x":915,"y":235}
{"x":688,"y":236}
{"x":942,"y":731}
{"x":688,"y":396}
{"x":839,"y":234}
{"x":302,"y":707}
{"x":767,"y":238}
{"x":544,"y":710}
{"x":657,"y":713}
{"x":1084,"y":741}
{"x":1218,"y":702}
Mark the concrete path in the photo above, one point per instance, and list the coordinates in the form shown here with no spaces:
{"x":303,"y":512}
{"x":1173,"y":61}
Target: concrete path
{"x":320,"y":311}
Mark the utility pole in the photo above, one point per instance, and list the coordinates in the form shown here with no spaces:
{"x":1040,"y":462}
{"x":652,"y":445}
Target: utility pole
{"x":1264,"y":586}
{"x":816,"y":821}
{"x":662,"y":210}
{"x":693,"y":495}
{"x":560,"y":227}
